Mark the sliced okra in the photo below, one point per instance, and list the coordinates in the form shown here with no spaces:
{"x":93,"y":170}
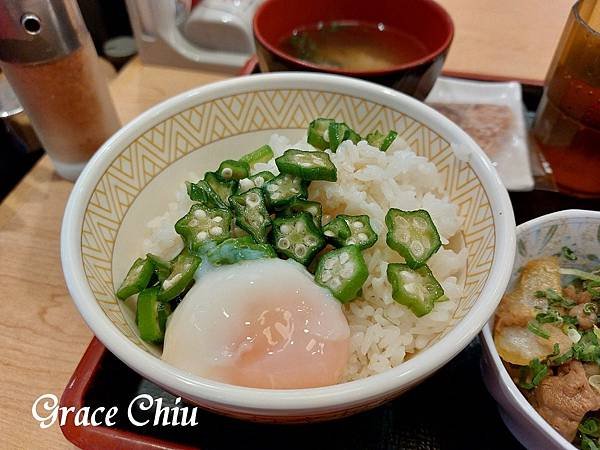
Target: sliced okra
{"x":184,"y":267}
{"x":297,"y":237}
{"x":223,"y":188}
{"x":337,"y":231}
{"x":316,"y":133}
{"x":380,"y":140}
{"x":413,"y":235}
{"x":239,"y":249}
{"x":202,"y":225}
{"x":151,"y":316}
{"x":262,"y":154}
{"x":231,"y":169}
{"x":202,"y":192}
{"x":256,"y":180}
{"x":343,"y":272}
{"x":417,"y":289}
{"x":361,"y":233}
{"x":251,"y":213}
{"x":307,"y":165}
{"x":340,"y":132}
{"x":281,"y":190}
{"x":298,"y":206}
{"x":162,"y":267}
{"x":137,"y":278}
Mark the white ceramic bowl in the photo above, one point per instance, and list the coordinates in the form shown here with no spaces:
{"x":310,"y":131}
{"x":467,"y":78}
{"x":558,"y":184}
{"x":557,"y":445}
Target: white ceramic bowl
{"x":543,"y":236}
{"x":134,"y":176}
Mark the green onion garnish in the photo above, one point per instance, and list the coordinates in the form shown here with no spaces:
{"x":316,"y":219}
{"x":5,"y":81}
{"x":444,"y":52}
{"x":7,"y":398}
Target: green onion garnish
{"x":568,"y":254}
{"x":551,"y":316}
{"x":589,"y":308}
{"x":582,"y":275}
{"x":536,"y":329}
{"x":588,"y":443}
{"x":536,"y":370}
{"x":590,"y":427}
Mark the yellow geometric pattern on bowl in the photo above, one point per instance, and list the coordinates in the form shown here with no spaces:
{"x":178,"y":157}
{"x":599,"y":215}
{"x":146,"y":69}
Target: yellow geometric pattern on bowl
{"x":155,"y":149}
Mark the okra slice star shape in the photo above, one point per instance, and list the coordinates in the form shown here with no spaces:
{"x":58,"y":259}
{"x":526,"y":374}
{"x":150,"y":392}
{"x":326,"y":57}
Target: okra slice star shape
{"x":361,"y":233}
{"x":251,"y":213}
{"x":343,"y":272}
{"x":297,"y":237}
{"x":223,"y":188}
{"x":256,"y":180}
{"x":307,"y":165}
{"x":413,"y":235}
{"x":281,"y":190}
{"x":418,"y":289}
{"x":202,"y":224}
{"x":298,"y":206}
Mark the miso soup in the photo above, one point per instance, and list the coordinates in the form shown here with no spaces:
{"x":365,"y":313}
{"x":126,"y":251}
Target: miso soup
{"x":355,"y":46}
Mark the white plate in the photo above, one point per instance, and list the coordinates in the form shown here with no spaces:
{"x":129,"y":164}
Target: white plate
{"x":512,"y":163}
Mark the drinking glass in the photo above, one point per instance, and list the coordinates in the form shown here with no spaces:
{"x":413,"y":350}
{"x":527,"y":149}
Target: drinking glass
{"x":567,"y":124}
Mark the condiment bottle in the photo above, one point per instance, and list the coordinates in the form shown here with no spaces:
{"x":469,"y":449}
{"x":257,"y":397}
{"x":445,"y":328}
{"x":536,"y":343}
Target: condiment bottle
{"x":49,"y":60}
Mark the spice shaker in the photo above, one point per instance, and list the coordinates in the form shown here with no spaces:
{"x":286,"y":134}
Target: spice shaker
{"x":50,"y":61}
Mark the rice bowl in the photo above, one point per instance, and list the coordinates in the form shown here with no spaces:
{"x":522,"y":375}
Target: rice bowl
{"x":97,"y":248}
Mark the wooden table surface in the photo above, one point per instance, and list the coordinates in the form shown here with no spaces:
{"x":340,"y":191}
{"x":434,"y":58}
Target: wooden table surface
{"x":42,"y":335}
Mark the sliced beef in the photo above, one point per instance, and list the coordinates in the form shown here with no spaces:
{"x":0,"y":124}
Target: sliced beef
{"x":563,"y":399}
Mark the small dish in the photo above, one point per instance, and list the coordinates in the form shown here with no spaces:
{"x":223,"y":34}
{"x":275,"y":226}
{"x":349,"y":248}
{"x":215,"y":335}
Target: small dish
{"x":511,"y":158}
{"x":543,"y":236}
{"x":424,"y":20}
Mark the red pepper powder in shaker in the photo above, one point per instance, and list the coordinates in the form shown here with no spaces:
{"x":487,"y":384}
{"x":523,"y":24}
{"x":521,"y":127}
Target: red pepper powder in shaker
{"x":50,"y":62}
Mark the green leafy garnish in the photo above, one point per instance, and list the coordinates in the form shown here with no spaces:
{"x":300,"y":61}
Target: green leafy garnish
{"x":581,"y":274}
{"x":531,"y":375}
{"x":593,"y":287}
{"x":589,"y":308}
{"x":588,"y":443}
{"x":587,"y":349}
{"x":551,"y":316}
{"x":554,"y":298}
{"x":568,"y":254}
{"x":535,"y":327}
{"x":590,"y":427}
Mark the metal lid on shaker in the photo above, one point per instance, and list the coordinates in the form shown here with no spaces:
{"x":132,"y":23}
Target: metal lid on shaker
{"x":34,"y":31}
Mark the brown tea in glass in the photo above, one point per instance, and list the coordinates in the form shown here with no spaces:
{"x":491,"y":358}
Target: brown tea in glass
{"x":567,"y":124}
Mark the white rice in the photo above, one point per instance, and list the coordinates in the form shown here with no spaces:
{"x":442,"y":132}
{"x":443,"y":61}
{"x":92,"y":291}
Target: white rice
{"x":383,"y":332}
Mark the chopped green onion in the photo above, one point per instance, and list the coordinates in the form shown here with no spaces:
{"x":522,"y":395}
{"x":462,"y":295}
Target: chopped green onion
{"x":593,"y":288}
{"x":590,"y":426}
{"x":589,"y":308}
{"x":551,"y":316}
{"x":554,"y":298}
{"x":559,"y":360}
{"x":568,"y":254}
{"x":536,"y":370}
{"x":587,"y":348}
{"x":569,"y":320}
{"x":582,"y":275}
{"x":536,"y":329}
{"x":588,"y":443}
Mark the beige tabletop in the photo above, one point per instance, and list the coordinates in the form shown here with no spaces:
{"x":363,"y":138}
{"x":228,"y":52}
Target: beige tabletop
{"x":41,"y":334}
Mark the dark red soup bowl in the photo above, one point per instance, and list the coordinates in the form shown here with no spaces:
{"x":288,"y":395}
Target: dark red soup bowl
{"x":423,"y":20}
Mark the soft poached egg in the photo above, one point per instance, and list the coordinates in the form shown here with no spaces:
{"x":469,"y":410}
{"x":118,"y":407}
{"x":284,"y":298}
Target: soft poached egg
{"x":262,"y":323}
